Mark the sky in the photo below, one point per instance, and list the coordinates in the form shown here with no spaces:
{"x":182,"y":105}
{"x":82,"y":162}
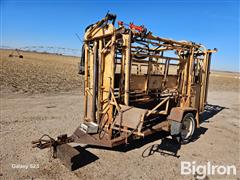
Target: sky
{"x":213,"y":23}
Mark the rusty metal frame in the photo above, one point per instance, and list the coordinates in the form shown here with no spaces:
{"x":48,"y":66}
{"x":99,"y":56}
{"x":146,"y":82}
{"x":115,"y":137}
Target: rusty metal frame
{"x":109,"y":49}
{"x":136,"y":83}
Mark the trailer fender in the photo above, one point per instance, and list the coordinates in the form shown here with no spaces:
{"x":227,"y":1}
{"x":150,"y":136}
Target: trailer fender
{"x":175,"y":118}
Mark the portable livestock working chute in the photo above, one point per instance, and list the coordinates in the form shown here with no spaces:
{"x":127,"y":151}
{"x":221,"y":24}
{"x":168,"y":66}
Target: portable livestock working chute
{"x":136,"y":84}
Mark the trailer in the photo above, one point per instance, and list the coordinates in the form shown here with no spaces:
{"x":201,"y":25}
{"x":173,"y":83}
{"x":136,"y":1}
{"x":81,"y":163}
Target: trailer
{"x":136,"y":84}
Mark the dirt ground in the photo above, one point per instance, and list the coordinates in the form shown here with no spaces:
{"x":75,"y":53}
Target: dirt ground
{"x":42,"y":94}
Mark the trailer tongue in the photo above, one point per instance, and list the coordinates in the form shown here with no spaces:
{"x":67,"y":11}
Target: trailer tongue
{"x":136,"y":84}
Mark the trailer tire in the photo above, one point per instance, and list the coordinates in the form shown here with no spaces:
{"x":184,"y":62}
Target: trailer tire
{"x":188,"y":128}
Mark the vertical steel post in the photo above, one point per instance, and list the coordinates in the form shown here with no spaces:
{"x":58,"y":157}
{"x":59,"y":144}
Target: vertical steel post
{"x":93,"y":111}
{"x":203,"y":81}
{"x":121,"y":87}
{"x":207,"y":74}
{"x":86,"y":80}
{"x":127,"y":70}
{"x":100,"y":76}
{"x":190,"y":77}
{"x":185,"y":81}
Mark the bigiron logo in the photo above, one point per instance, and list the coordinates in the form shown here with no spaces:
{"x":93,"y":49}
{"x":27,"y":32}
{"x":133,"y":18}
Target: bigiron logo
{"x":202,"y":170}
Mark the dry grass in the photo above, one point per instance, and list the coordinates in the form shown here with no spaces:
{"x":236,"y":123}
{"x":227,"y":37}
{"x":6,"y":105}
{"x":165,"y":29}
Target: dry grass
{"x":224,"y":81}
{"x":46,"y":73}
{"x":39,"y":73}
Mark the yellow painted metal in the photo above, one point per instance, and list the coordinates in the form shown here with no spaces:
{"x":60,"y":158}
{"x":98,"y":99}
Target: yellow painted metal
{"x":125,"y":68}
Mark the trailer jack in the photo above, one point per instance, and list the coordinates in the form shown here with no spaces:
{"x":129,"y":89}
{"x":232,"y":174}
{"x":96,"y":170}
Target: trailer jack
{"x":61,"y":149}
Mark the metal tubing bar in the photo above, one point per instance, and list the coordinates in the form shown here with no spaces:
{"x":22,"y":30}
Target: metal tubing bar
{"x":86,"y":80}
{"x":187,"y":44}
{"x":156,"y":107}
{"x":208,"y":74}
{"x":93,"y":112}
{"x":100,"y":79}
{"x":127,"y":70}
{"x":158,"y":56}
{"x":190,"y":77}
{"x":166,"y":47}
